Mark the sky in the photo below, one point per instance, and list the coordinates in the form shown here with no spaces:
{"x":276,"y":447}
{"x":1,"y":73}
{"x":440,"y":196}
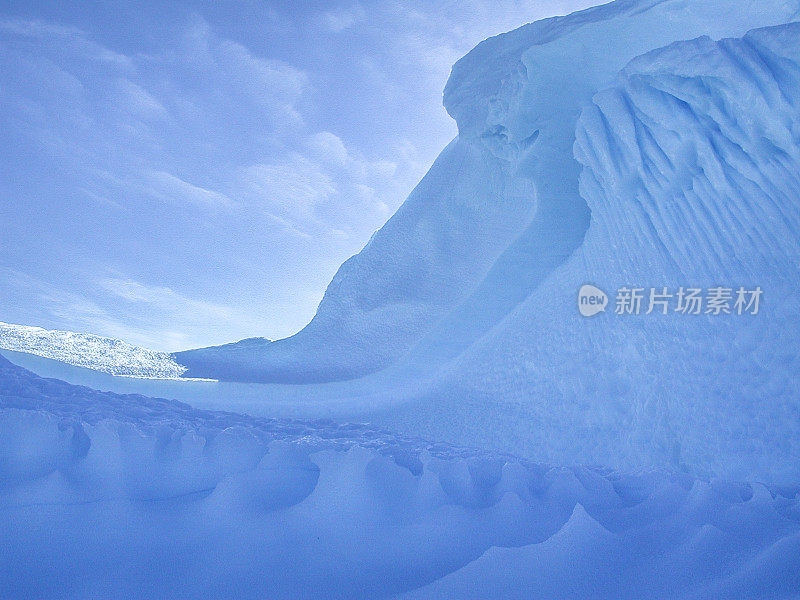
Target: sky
{"x":183,"y":174}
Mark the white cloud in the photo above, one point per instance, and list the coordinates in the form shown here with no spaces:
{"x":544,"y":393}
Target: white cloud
{"x":292,"y":188}
{"x":339,"y":19}
{"x":34,"y":28}
{"x":137,"y":100}
{"x":384,"y":168}
{"x":71,"y":39}
{"x":229,"y":69}
{"x":163,"y":299}
{"x":184,"y":321}
{"x":329,"y":147}
{"x":169,"y":187}
{"x":326,"y":190}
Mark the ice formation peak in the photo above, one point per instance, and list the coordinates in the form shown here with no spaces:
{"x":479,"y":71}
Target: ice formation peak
{"x":500,"y":209}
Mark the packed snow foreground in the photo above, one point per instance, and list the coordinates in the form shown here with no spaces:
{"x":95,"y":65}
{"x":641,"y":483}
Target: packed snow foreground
{"x":110,"y":496}
{"x":644,"y":143}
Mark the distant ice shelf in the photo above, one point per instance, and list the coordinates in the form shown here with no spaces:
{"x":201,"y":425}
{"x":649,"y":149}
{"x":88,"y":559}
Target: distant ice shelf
{"x":89,"y":351}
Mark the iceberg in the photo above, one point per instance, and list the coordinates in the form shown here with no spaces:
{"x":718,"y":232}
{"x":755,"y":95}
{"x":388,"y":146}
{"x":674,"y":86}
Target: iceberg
{"x":450,"y":424}
{"x":648,"y":145}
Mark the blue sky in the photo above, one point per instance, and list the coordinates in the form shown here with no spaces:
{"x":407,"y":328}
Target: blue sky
{"x":181,"y":174}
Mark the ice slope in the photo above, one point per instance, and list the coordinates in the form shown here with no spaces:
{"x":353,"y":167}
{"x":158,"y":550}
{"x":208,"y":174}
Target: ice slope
{"x":90,"y":351}
{"x":500,"y":209}
{"x":123,"y":496}
{"x":690,"y":167}
{"x":422,"y":262}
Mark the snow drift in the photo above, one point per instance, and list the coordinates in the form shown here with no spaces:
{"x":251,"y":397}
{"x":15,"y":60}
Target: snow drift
{"x":104,"y":495}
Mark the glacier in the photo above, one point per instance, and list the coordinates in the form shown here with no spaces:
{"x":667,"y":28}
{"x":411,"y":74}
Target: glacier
{"x":95,"y":352}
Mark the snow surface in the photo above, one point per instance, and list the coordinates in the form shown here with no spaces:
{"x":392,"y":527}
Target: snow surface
{"x":90,"y":351}
{"x":111,"y":496}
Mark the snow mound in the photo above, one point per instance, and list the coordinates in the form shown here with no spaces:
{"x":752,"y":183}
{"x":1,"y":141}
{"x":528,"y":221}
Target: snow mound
{"x":103,"y":495}
{"x":90,"y":351}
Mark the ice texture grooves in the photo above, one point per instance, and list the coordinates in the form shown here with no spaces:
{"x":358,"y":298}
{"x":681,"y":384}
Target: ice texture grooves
{"x":104,"y":495}
{"x":692,"y":161}
{"x":90,"y":351}
{"x":690,"y":168}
